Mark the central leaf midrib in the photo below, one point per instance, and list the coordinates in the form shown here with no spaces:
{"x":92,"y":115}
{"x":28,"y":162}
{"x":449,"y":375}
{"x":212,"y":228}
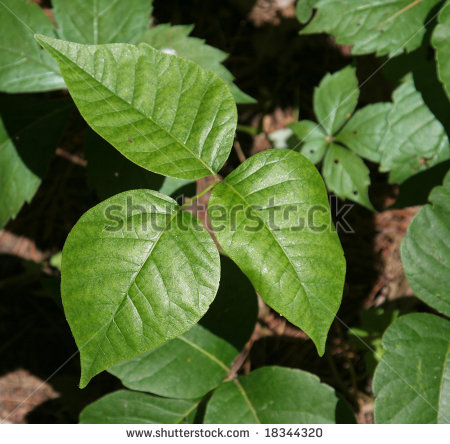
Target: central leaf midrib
{"x":114,"y":93}
{"x":206,"y":353}
{"x":247,"y":400}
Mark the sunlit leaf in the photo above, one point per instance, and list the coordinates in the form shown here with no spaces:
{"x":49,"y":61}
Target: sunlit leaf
{"x":136,"y":272}
{"x":271,"y":216}
{"x":163,"y":112}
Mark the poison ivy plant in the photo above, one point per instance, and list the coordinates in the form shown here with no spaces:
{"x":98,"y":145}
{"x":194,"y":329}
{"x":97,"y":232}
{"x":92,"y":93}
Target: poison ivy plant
{"x":404,"y":137}
{"x":386,"y":27}
{"x":426,"y":253}
{"x":25,"y":68}
{"x":127,"y":407}
{"x":411,"y":382}
{"x":441,"y":37}
{"x":171,"y":116}
{"x":339,"y":139}
{"x":29,"y":131}
{"x":263,"y":397}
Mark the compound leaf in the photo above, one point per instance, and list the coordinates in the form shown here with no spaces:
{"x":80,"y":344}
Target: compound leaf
{"x":127,"y":407}
{"x":136,"y":272}
{"x":346,"y":175}
{"x":273,"y":395}
{"x":426,"y":253}
{"x":271,"y":216}
{"x":415,"y":140}
{"x":29,"y":132}
{"x":440,"y":39}
{"x":102,"y":21}
{"x":176,"y":40}
{"x":384,"y":27}
{"x":110,"y":173}
{"x":162,"y":112}
{"x":336,"y":98}
{"x":411,"y":382}
{"x":189,"y":366}
{"x":24,"y":66}
{"x":365,"y":130}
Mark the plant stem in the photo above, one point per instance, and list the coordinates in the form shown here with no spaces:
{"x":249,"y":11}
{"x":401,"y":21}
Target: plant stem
{"x":199,"y":195}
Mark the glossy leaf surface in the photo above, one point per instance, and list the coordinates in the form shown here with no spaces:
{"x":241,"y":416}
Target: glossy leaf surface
{"x":271,"y":216}
{"x":162,"y":112}
{"x":136,"y":272}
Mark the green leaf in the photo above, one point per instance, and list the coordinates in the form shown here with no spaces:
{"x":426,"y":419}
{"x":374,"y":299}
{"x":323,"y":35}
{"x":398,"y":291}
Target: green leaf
{"x":304,"y":9}
{"x":273,"y":395}
{"x":365,"y":130}
{"x":189,"y":366}
{"x":415,"y":140}
{"x":336,"y":98}
{"x":176,"y":40}
{"x":29,"y":132}
{"x":24,"y":66}
{"x":411,"y":382}
{"x":312,"y":139}
{"x":440,"y":39}
{"x":271,"y":216}
{"x":102,"y":21}
{"x":110,"y":173}
{"x":426,"y":252}
{"x":126,"y":407}
{"x":162,"y":112}
{"x":136,"y":272}
{"x":346,"y":175}
{"x":384,"y":27}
